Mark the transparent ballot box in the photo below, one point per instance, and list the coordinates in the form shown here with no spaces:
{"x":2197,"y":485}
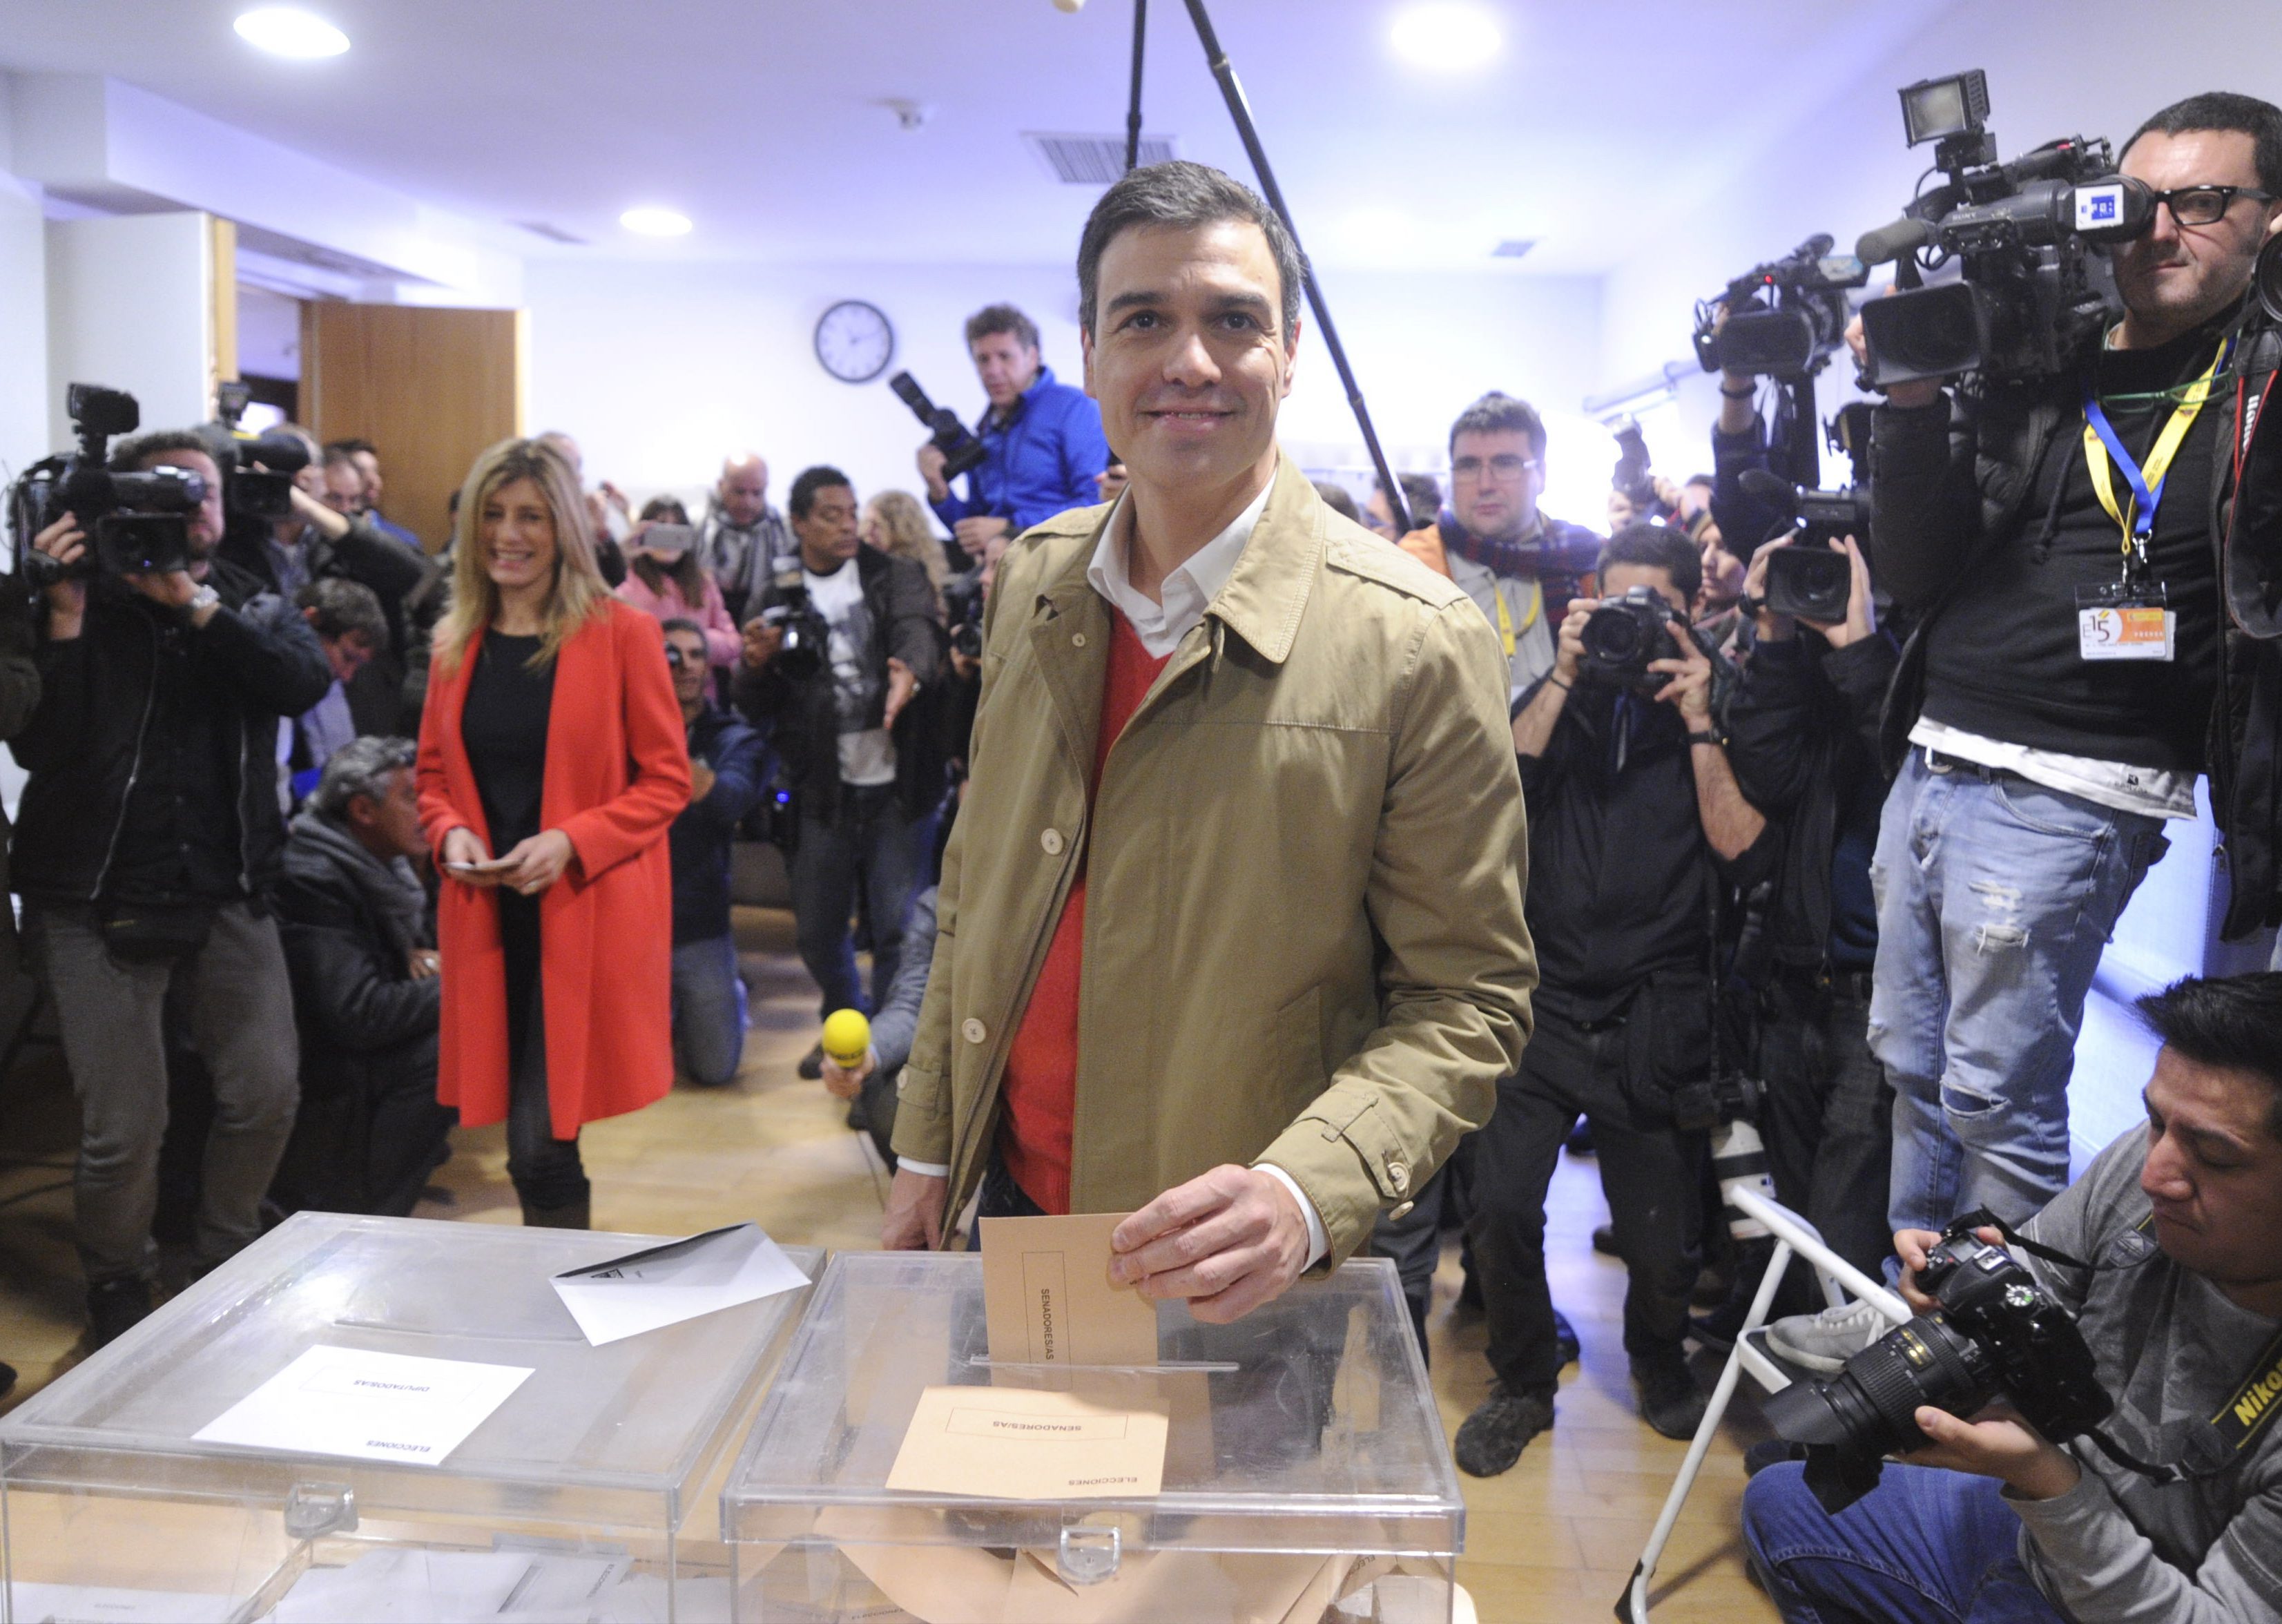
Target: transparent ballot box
{"x":1304,"y":1479}
{"x":566,"y":1501}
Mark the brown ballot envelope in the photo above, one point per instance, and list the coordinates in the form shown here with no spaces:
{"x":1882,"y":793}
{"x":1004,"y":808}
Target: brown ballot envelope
{"x":1017,"y":1444}
{"x":1047,"y":1298}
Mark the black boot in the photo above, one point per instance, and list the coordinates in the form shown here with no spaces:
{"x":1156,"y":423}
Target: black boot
{"x":115,"y":1308}
{"x":573,"y":1215}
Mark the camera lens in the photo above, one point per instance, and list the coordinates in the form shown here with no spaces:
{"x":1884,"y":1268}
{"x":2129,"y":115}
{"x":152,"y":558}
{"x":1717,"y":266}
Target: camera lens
{"x":1613,"y":636}
{"x":1867,"y":1409}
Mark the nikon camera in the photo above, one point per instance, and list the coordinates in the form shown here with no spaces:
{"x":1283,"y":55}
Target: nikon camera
{"x":1998,"y":1334}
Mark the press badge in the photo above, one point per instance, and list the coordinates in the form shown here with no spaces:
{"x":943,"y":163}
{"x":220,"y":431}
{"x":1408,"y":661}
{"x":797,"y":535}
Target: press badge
{"x":2116,"y":621}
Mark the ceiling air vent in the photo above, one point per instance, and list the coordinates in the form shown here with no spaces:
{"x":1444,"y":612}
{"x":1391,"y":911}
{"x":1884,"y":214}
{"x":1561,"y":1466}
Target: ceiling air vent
{"x":1092,"y":160}
{"x":1512,"y":248}
{"x":552,"y":233}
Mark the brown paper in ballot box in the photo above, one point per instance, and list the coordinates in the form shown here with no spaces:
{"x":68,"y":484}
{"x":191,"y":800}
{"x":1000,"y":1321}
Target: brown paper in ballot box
{"x":965,"y":1584}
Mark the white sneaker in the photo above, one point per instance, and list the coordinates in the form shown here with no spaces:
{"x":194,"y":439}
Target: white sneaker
{"x":1823,"y":1342}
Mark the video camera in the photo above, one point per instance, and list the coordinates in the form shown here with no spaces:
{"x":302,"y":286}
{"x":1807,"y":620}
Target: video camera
{"x":1998,"y":1334}
{"x":2025,"y":235}
{"x":961,"y":451}
{"x":257,"y":470}
{"x":1784,"y":318}
{"x":137,"y":522}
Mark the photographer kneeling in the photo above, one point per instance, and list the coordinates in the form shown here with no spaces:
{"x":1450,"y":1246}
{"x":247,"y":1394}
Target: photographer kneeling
{"x":1992,"y":1521}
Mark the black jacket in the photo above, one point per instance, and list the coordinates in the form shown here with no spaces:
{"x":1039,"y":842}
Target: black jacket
{"x":369,"y":1129}
{"x":256,"y":659}
{"x":1803,"y":731}
{"x":364,"y":554}
{"x":703,"y":831}
{"x":801,"y":719}
{"x":1954,"y":478}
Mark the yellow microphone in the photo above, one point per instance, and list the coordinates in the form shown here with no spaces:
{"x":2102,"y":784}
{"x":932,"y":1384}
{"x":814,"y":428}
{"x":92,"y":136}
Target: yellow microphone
{"x":847,"y":1038}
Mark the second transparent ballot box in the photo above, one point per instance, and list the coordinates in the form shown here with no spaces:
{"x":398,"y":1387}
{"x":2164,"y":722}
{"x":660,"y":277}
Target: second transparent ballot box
{"x":1305,"y":1478}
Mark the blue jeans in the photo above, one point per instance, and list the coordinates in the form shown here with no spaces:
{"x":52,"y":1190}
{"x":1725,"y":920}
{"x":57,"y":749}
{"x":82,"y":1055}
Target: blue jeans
{"x":1924,"y":1547}
{"x":708,"y":1011}
{"x":1995,"y":900}
{"x":869,"y":844}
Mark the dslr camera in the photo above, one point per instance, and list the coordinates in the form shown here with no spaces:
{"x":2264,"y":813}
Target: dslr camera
{"x":138,"y":522}
{"x":1998,"y":1334}
{"x":807,"y":635}
{"x":2027,"y":237}
{"x":1624,"y":633}
{"x":962,"y":608}
{"x":962,"y":453}
{"x":1786,"y":318}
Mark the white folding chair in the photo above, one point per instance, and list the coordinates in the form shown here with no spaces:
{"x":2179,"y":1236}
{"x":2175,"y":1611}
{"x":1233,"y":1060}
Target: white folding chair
{"x":1795,"y":1237}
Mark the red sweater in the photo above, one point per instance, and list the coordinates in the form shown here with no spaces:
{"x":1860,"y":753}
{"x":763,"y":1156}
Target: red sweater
{"x":1041,"y":1083}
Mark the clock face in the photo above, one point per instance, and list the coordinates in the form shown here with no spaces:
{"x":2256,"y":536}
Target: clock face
{"x":854,"y":341}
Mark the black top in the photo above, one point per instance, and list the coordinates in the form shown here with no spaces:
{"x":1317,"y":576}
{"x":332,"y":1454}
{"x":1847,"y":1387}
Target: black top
{"x":178,"y":841}
{"x":1619,"y":872}
{"x":504,"y":728}
{"x":2001,"y":658}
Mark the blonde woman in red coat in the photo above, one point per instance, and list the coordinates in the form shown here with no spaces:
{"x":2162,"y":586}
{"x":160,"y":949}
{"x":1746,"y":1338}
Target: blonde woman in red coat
{"x":552,"y":763}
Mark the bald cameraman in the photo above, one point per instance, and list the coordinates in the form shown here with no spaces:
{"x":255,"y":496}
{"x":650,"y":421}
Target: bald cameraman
{"x":1992,"y":1522}
{"x":148,"y":830}
{"x":2040,"y":772}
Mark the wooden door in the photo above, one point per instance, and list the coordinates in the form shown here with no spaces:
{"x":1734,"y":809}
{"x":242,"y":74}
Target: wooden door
{"x":430,"y":388}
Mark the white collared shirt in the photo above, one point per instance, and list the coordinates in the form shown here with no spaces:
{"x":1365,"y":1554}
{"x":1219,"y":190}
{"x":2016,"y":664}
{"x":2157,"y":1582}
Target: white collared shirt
{"x":1187,"y":592}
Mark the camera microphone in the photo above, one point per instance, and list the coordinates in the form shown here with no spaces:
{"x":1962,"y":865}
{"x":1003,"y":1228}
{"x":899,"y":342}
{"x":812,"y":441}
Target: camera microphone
{"x":1771,"y":488}
{"x":1891,"y":242}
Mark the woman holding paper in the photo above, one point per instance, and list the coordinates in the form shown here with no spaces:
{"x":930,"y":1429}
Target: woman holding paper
{"x":551,"y":764}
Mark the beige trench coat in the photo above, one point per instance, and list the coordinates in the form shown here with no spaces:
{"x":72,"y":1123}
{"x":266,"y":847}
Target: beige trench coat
{"x":1303,"y":940}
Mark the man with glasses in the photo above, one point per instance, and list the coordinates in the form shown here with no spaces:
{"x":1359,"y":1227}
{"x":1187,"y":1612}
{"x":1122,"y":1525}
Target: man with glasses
{"x":2061,"y":541}
{"x":1521,"y":567}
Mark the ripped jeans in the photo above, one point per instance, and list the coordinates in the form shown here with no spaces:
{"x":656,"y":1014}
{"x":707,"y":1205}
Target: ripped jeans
{"x":1995,"y":900}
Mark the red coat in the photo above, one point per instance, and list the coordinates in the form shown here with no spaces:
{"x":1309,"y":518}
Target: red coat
{"x":617,"y":772}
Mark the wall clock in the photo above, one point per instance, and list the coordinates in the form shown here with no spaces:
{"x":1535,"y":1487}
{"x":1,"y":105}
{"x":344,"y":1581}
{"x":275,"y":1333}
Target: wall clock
{"x":855,"y":341}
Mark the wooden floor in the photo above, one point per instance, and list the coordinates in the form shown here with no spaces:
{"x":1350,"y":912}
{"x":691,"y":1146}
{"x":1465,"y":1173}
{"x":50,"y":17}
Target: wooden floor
{"x":1552,"y":1541}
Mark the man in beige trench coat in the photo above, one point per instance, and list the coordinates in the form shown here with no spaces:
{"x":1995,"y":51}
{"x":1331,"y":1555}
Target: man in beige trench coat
{"x":1231,"y":926}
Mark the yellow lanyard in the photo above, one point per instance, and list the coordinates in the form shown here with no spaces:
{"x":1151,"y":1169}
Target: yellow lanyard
{"x":1506,"y":630}
{"x":2159,"y":461}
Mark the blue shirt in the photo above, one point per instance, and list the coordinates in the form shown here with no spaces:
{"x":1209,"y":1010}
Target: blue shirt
{"x":1043,"y":459}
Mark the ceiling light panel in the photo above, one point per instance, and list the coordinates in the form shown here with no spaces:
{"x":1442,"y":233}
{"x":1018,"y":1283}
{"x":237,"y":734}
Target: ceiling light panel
{"x":650,"y":220}
{"x":1447,"y":36}
{"x":287,"y":31}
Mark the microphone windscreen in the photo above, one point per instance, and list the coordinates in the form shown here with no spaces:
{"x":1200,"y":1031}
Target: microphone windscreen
{"x":1891,"y":242}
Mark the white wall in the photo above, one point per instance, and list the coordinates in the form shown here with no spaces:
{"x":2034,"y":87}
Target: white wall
{"x":23,"y":315}
{"x":660,"y":369}
{"x":129,"y":306}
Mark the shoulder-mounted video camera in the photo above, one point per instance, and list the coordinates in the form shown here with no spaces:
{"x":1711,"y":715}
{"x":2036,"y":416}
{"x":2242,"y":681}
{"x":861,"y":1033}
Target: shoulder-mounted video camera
{"x":1998,"y":1334}
{"x":961,"y":451}
{"x":1785,"y":318}
{"x":2027,"y":236}
{"x":136,"y":522}
{"x":257,"y":470}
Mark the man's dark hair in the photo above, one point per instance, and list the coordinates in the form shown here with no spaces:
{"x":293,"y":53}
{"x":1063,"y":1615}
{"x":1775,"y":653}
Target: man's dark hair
{"x":1704,"y":481}
{"x":2227,"y":112}
{"x":2232,"y":1022}
{"x":361,"y":767}
{"x":811,"y":481}
{"x":337,"y":456}
{"x":343,"y":606}
{"x":680,"y":622}
{"x":1187,"y":196}
{"x":1653,"y":547}
{"x":351,"y":446}
{"x":1002,"y":319}
{"x":1420,"y":494}
{"x":1501,"y":413}
{"x":130,"y":455}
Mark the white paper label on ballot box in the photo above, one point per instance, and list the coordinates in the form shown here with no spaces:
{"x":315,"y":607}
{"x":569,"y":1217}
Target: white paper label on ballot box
{"x":367,"y":1406}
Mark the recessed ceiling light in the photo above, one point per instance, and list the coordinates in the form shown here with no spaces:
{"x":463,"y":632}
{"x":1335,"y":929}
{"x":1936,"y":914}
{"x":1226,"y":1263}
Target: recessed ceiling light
{"x":283,"y":31}
{"x":1447,"y":36}
{"x":654,"y":221}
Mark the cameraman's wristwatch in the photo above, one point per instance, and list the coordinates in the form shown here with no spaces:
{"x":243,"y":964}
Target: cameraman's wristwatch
{"x":1706,"y":735}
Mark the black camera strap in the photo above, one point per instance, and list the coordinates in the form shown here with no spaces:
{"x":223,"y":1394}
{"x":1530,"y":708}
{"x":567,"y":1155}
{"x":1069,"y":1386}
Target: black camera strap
{"x":2208,"y":1447}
